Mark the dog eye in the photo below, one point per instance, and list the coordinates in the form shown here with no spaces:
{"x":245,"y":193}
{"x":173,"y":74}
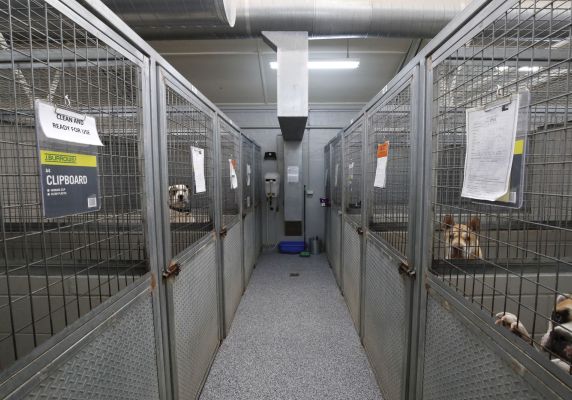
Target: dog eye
{"x":451,"y":237}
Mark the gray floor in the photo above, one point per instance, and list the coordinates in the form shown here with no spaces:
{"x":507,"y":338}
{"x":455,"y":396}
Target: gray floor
{"x":292,"y":338}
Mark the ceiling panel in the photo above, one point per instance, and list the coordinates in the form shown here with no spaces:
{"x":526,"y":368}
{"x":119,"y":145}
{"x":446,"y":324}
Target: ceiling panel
{"x":238,"y":71}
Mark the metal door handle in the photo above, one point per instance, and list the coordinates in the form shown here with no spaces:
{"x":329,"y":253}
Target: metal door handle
{"x":174,"y":268}
{"x":359,"y":230}
{"x":223,"y":232}
{"x":405,"y":269}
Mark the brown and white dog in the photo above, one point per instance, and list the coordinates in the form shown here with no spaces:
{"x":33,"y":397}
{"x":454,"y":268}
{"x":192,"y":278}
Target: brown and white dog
{"x":179,"y":196}
{"x":558,"y":338}
{"x":462,"y":241}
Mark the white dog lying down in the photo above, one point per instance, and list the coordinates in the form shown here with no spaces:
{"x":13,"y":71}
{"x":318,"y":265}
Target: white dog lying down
{"x":557,"y":340}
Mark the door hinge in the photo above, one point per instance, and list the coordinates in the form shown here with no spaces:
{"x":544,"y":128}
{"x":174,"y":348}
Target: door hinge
{"x":405,"y":269}
{"x":173,"y":269}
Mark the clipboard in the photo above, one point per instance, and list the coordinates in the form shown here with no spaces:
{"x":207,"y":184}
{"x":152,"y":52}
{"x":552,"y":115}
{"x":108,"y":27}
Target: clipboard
{"x":514,"y":198}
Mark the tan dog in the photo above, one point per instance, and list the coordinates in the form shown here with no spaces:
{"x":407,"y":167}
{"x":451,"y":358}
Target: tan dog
{"x":462,"y":241}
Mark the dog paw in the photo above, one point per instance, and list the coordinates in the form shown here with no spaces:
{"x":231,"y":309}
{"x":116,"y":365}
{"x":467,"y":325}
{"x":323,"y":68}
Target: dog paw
{"x":511,"y":322}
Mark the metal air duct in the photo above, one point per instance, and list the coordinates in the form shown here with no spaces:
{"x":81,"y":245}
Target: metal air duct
{"x":193,"y":19}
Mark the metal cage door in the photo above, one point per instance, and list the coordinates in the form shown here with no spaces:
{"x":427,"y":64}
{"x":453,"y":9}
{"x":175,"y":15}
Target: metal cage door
{"x":390,"y":210}
{"x":248,"y":216}
{"x":229,"y":144}
{"x":191,"y":277}
{"x":352,"y":227}
{"x":336,"y":211}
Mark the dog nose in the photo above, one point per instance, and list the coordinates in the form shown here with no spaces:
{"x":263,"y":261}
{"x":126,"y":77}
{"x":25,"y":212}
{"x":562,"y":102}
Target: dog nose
{"x":180,"y":197}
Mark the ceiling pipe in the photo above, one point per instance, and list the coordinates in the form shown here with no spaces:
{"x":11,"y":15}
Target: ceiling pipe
{"x":149,"y":17}
{"x":194,"y":19}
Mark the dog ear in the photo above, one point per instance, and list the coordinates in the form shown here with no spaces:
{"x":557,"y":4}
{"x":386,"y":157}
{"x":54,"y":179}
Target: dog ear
{"x":448,"y":222}
{"x":561,"y":298}
{"x":187,"y":186}
{"x":475,"y":224}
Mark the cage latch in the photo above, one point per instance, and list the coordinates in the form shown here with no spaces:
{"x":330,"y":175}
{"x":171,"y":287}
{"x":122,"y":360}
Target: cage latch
{"x":223,"y":232}
{"x":405,"y":269}
{"x":359,"y":230}
{"x":173,"y":269}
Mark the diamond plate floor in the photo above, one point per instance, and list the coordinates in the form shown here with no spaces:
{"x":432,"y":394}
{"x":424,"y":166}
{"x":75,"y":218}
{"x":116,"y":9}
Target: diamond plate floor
{"x":292,"y":338}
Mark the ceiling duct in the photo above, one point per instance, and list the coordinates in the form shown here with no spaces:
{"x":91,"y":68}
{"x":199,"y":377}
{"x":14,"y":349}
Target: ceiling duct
{"x":194,"y":19}
{"x":173,"y":18}
{"x":292,"y":81}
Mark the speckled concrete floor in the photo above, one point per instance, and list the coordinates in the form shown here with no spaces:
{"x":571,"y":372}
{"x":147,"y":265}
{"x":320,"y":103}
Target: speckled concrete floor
{"x":292,"y":338}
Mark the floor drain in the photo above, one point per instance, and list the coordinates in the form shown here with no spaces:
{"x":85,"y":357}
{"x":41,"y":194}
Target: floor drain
{"x":294,"y":274}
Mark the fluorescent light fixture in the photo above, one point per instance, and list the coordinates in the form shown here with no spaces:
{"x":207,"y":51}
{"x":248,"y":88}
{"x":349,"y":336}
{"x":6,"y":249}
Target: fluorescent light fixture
{"x":561,"y":44}
{"x":534,"y":68}
{"x":326,"y":64}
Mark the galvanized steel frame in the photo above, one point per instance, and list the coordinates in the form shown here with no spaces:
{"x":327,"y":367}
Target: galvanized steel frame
{"x":100,"y":21}
{"x":479,"y":13}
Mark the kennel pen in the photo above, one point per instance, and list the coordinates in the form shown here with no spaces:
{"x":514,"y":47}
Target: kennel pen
{"x":133,"y":299}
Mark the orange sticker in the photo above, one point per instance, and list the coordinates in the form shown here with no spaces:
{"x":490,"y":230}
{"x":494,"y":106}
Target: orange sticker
{"x":233,"y":163}
{"x":382,"y":150}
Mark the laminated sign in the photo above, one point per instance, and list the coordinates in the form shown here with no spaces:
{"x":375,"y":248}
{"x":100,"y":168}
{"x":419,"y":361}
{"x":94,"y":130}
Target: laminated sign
{"x":233,"y":177}
{"x":381,"y":169}
{"x":199,"y":169}
{"x":67,"y":147}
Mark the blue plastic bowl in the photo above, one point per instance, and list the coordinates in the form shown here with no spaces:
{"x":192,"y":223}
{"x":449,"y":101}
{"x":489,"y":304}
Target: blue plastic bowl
{"x":291,"y":247}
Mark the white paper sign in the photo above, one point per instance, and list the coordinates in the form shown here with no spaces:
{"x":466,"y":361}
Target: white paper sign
{"x":233,"y":177}
{"x":351,"y":171}
{"x":293,"y":174}
{"x":199,"y":169}
{"x":490,"y":149}
{"x":381,"y":169}
{"x":65,"y":125}
{"x":337,"y":169}
{"x":247,"y":174}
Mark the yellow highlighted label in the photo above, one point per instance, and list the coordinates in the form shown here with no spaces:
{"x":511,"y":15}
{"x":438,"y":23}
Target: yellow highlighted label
{"x":519,"y":147}
{"x":58,"y":158}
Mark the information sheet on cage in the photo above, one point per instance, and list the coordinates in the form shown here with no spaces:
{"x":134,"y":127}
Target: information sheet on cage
{"x":491,"y":133}
{"x":233,"y":177}
{"x":67,"y":150}
{"x":381,"y":168}
{"x":199,"y":169}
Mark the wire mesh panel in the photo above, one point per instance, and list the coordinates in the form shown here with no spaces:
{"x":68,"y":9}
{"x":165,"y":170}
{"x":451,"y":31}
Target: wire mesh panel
{"x":461,"y":365}
{"x":388,"y":202}
{"x":229,"y":164}
{"x":196,"y":319}
{"x":247,"y":159}
{"x":190,"y":168}
{"x":353,"y":145}
{"x":327,"y":188}
{"x":249,"y":245}
{"x":517,"y":261}
{"x":337,"y":173}
{"x":335,"y":251}
{"x":351,"y":253}
{"x":336,"y":209}
{"x":115,"y":361}
{"x":386,"y":311}
{"x":56,"y":270}
{"x":258,"y":193}
{"x":232,"y":274}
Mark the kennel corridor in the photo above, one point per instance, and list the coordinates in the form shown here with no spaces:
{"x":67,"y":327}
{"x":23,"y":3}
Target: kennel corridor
{"x":142,"y":285}
{"x":292,"y":338}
